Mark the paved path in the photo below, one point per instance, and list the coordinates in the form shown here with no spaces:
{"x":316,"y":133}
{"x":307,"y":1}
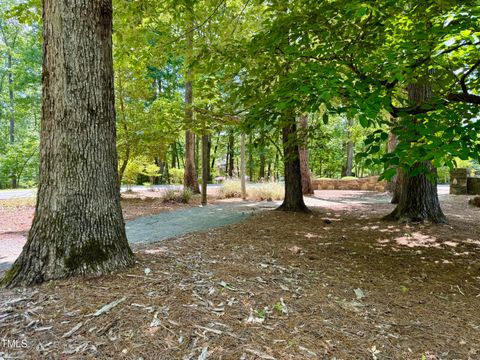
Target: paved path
{"x":161,"y":226}
{"x":158,"y":227}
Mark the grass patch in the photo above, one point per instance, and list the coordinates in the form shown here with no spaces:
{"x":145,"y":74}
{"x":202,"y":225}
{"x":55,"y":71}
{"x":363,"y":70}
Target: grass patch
{"x":266,"y":191}
{"x":17,"y":202}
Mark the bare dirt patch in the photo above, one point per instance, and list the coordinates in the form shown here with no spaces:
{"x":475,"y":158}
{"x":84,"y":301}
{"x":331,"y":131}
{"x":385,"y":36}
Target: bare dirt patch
{"x":334,"y":283}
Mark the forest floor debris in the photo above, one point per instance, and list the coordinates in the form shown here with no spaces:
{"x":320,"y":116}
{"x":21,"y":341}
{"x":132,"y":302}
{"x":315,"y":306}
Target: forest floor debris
{"x":420,"y":285}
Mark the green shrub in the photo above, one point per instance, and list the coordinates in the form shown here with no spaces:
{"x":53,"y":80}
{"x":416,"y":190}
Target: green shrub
{"x":186,"y":195}
{"x":170,"y":195}
{"x":176,"y":175}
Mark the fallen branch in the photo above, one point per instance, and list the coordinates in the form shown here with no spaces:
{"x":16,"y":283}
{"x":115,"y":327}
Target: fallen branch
{"x":109,"y":307}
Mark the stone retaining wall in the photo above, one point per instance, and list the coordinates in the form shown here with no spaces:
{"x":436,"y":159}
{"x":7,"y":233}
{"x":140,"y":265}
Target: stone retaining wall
{"x":461,"y":183}
{"x":369,"y":184}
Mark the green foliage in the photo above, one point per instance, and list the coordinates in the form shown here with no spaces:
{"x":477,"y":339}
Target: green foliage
{"x":184,"y":196}
{"x":132,"y":171}
{"x":176,"y":176}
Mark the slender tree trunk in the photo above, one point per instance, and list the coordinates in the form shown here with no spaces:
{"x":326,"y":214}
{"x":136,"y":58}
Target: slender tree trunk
{"x":12,"y":111}
{"x":350,"y":150}
{"x":123,"y":165}
{"x":214,"y":156}
{"x":231,"y":154}
{"x":123,"y":120}
{"x":307,"y":186}
{"x":209,"y":145}
{"x":78,"y":228}
{"x":293,"y":200}
{"x":250,"y":157}
{"x":205,"y":166}
{"x":418,"y":199}
{"x":261,"y":173}
{"x":276,"y":170}
{"x":174,"y":154}
{"x":190,"y":179}
{"x":242,"y":167}
{"x":394,"y":186}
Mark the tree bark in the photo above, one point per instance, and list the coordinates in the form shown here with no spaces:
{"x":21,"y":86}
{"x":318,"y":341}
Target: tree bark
{"x":78,"y":228}
{"x":231,"y":153}
{"x":261,"y":173}
{"x":307,"y":186}
{"x":418,"y":198}
{"x":190,"y":179}
{"x":11,"y":129}
{"x":243,"y":185}
{"x":205,"y":166}
{"x":293,"y":200}
{"x":394,"y":186}
{"x":214,"y":157}
{"x":250,"y":157}
{"x":350,"y":150}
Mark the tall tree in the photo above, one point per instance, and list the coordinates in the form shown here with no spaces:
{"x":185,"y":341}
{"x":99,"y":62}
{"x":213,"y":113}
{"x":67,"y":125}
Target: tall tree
{"x":293,"y":200}
{"x":418,"y":198}
{"x":78,"y":228}
{"x":190,"y":179}
{"x":307,"y":185}
{"x":350,"y":147}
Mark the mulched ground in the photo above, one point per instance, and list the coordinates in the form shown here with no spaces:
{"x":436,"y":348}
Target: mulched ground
{"x":336,"y":283}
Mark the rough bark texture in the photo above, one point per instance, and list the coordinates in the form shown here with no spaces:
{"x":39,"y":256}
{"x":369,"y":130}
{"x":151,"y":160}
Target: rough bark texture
{"x":307,"y":186}
{"x":78,"y":228}
{"x":293,"y":200}
{"x":190,"y":179}
{"x":418,"y":198}
{"x":347,"y":171}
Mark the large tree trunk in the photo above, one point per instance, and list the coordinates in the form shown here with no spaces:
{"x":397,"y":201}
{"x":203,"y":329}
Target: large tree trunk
{"x":418,"y":198}
{"x":307,"y":185}
{"x":190,"y":179}
{"x":347,"y":171}
{"x":293,"y":200}
{"x":78,"y":228}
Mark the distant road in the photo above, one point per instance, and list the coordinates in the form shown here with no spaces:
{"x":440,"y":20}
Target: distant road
{"x":26,"y":193}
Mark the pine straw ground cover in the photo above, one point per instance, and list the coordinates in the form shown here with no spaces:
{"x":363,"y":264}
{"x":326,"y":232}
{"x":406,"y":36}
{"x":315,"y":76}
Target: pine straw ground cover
{"x":333,"y":284}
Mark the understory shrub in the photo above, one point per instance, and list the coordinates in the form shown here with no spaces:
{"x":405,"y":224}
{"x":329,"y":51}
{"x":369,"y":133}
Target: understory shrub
{"x":176,"y":175}
{"x":179,"y":196}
